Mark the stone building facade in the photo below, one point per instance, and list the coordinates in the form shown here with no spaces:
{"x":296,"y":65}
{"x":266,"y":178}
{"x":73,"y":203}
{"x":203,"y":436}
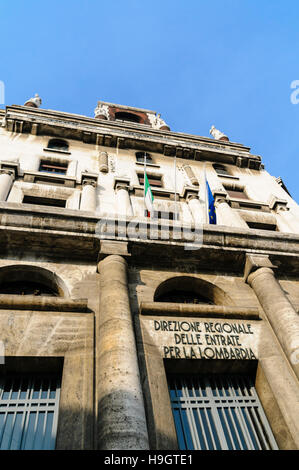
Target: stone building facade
{"x":121,"y":331}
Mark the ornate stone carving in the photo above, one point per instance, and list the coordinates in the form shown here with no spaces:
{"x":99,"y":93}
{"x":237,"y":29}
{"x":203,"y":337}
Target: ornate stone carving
{"x":112,"y":163}
{"x":34,"y":102}
{"x":6,"y":171}
{"x":91,"y":182}
{"x":218,"y":135}
{"x":101,"y":111}
{"x":159,"y":123}
{"x":103,"y":162}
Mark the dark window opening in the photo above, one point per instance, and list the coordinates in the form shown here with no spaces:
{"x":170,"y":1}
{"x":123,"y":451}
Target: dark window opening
{"x":236,"y":193}
{"x":58,"y":144}
{"x":44,"y":201}
{"x":140,"y":157}
{"x":261,"y":226}
{"x":130,"y":117}
{"x":53,"y":167}
{"x":154,"y":180}
{"x":244,"y":205}
{"x":221,"y":170}
{"x":26,"y":288}
{"x":183,"y":297}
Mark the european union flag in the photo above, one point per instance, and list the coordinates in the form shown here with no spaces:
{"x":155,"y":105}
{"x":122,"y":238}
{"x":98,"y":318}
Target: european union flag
{"x":211,"y":206}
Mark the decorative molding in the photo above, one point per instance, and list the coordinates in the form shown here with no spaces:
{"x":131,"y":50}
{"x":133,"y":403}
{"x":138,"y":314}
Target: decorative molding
{"x":254,"y":262}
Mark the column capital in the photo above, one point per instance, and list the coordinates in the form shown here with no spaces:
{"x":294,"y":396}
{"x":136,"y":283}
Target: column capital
{"x":91,"y":182}
{"x":121,"y":183}
{"x":89,"y":178}
{"x":9,"y":168}
{"x":220,"y":197}
{"x":114,"y":248}
{"x":276,"y":204}
{"x":6,"y":171}
{"x":257,"y":262}
{"x":189,"y":193}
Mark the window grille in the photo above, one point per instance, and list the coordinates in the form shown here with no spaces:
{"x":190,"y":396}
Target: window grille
{"x":154,"y":180}
{"x":28,"y":412}
{"x":53,"y":167}
{"x":140,"y":157}
{"x":219,"y":413}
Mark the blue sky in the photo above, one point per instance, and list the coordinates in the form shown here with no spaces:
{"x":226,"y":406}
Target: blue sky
{"x":197,"y":62}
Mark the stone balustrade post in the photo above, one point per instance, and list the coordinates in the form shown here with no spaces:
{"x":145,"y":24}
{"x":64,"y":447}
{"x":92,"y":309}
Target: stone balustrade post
{"x":6,"y":181}
{"x":123,"y":201}
{"x":286,"y":222}
{"x":197,"y":208}
{"x":88,"y":194}
{"x":225,"y":214}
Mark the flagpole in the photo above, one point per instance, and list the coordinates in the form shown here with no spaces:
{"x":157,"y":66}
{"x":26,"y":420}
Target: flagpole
{"x":206,"y":196}
{"x":144,"y":156}
{"x":175,"y":204}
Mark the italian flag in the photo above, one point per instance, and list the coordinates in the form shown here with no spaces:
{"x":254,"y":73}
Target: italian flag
{"x":148,"y":196}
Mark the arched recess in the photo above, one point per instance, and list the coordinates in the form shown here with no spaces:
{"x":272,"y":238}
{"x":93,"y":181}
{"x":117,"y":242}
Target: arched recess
{"x":46,"y":281}
{"x":190,"y":289}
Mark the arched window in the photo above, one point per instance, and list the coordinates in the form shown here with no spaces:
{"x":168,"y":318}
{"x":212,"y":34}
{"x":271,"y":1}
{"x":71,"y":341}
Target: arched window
{"x":183,"y":297}
{"x":191,"y":290}
{"x":27,"y":288}
{"x":58,"y":144}
{"x":30,"y":280}
{"x":124,"y":116}
{"x":220,"y":169}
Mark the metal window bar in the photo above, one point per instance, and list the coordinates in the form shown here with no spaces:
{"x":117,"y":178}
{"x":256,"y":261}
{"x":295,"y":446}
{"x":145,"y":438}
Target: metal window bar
{"x":219,"y":412}
{"x":28,"y":412}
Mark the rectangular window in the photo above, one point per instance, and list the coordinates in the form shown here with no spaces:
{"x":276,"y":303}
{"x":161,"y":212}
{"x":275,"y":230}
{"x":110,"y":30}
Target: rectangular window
{"x":53,"y":167}
{"x":221,"y":170}
{"x":29,"y":411}
{"x":261,"y":226}
{"x":154,"y":180}
{"x":218,"y":412}
{"x":236,"y":193}
{"x":44,"y":201}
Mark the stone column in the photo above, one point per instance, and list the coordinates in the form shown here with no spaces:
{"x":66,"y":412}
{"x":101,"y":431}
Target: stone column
{"x":88,"y":194}
{"x":123,"y":201}
{"x":6,"y":180}
{"x":286,"y":222}
{"x":121,"y":415}
{"x":225,"y":214}
{"x":197,"y":208}
{"x":281,"y":314}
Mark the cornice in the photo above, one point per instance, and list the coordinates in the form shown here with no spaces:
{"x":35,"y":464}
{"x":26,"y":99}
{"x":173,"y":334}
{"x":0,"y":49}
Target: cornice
{"x":126,"y":135}
{"x":69,"y":233}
